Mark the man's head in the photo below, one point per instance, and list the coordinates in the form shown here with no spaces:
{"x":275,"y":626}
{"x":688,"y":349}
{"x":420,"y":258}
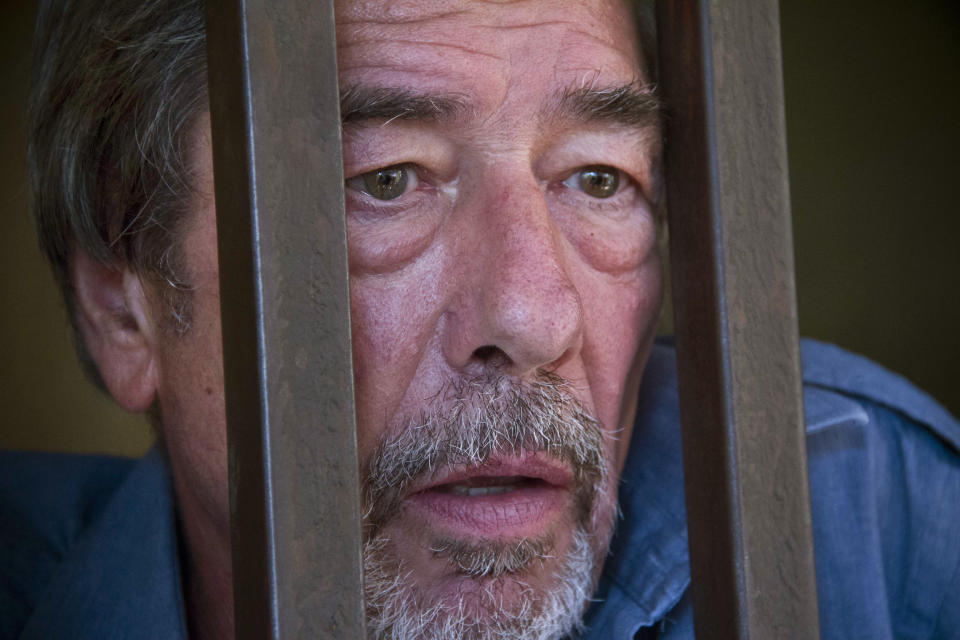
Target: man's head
{"x":501,"y":177}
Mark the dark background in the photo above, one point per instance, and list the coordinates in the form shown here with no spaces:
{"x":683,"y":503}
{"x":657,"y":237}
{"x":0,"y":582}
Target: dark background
{"x":873,"y":128}
{"x":873,"y":97}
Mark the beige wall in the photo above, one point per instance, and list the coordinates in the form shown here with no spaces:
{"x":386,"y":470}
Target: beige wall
{"x":873,"y":104}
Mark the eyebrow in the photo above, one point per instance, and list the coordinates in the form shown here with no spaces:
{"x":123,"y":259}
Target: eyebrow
{"x":360,"y":103}
{"x":628,"y":105}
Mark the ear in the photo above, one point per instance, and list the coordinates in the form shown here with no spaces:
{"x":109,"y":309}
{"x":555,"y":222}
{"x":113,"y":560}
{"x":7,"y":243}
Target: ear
{"x":113,"y":315}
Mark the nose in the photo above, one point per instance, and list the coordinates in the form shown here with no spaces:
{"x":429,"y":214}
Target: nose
{"x":517,"y":309}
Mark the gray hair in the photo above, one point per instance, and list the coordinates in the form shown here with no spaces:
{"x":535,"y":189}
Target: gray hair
{"x":116,"y":90}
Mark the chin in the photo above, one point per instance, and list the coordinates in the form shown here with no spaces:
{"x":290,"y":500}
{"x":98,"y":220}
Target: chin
{"x":539,"y":596}
{"x":424,"y":586}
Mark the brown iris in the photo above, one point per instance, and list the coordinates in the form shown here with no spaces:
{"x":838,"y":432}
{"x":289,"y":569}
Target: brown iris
{"x":387,"y":183}
{"x":599,"y":181}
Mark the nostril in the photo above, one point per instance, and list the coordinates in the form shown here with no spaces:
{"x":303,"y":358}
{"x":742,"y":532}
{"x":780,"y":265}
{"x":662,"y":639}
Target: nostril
{"x":485,"y":352}
{"x":490,"y":354}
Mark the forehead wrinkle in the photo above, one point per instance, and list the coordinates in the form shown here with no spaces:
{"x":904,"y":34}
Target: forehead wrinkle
{"x":408,"y":21}
{"x":352,"y":12}
{"x":608,"y":55}
{"x":526,"y":25}
{"x":619,"y":38}
{"x":610,"y":43}
{"x":418,"y":43}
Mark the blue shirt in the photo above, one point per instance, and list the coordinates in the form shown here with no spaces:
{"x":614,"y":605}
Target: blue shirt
{"x":88,"y":546}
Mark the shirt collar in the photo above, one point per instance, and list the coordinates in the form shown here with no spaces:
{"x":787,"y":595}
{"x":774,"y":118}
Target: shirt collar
{"x":648,"y":569}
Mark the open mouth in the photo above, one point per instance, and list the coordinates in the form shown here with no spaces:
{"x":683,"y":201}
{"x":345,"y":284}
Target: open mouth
{"x":517,"y":496}
{"x":490,"y":486}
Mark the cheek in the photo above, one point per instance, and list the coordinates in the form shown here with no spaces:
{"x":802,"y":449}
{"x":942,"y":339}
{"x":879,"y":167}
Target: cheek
{"x":393,"y":319}
{"x":192,"y":405}
{"x":191,"y":392}
{"x":615,"y":237}
{"x":620,"y":319}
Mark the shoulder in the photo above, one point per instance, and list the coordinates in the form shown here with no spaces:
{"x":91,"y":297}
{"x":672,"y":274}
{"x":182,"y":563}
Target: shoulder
{"x":46,"y":502}
{"x":38,"y":485}
{"x":835,"y":382}
{"x":884,"y":463}
{"x":831,"y":369}
{"x":47,"y":499}
{"x":884,"y":470}
{"x":839,"y":388}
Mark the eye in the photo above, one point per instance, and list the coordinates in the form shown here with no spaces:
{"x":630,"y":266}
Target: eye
{"x":387,"y":183}
{"x":597,"y":181}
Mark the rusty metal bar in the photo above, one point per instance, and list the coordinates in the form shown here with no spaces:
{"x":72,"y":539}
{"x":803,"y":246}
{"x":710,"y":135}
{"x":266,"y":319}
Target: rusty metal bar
{"x":748,"y":503}
{"x":286,"y":327}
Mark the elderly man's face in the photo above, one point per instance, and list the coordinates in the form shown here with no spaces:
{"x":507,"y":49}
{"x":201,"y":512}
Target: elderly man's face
{"x":500,"y":162}
{"x":500,"y":229}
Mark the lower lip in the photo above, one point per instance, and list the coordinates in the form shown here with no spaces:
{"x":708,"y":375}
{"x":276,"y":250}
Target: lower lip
{"x":523,"y":512}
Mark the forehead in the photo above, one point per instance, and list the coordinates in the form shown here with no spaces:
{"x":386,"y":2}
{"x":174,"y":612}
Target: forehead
{"x":490,"y":52}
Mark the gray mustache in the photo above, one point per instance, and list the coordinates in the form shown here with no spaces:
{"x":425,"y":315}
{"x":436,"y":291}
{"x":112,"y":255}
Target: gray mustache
{"x":479,"y":417}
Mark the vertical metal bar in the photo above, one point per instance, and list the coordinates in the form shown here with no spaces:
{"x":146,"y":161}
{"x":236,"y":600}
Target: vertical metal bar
{"x":286,"y":327}
{"x":751,"y":540}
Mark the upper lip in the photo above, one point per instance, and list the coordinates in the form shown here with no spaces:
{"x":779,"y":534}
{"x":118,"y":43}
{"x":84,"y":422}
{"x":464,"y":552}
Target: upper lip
{"x":538,"y":466}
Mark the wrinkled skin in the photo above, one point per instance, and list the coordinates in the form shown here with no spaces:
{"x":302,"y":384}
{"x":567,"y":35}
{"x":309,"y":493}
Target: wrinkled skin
{"x":495,"y":260}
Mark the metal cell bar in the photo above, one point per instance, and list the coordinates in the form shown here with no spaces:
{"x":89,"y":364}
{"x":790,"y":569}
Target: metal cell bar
{"x":750,"y":534}
{"x":286,"y":327}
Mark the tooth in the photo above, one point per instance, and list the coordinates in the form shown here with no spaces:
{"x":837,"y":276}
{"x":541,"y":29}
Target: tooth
{"x":501,"y":489}
{"x":461,"y":490}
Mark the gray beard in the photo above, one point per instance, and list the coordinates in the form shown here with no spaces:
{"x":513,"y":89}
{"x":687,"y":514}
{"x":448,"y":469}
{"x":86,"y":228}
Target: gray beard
{"x":476,"y":419}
